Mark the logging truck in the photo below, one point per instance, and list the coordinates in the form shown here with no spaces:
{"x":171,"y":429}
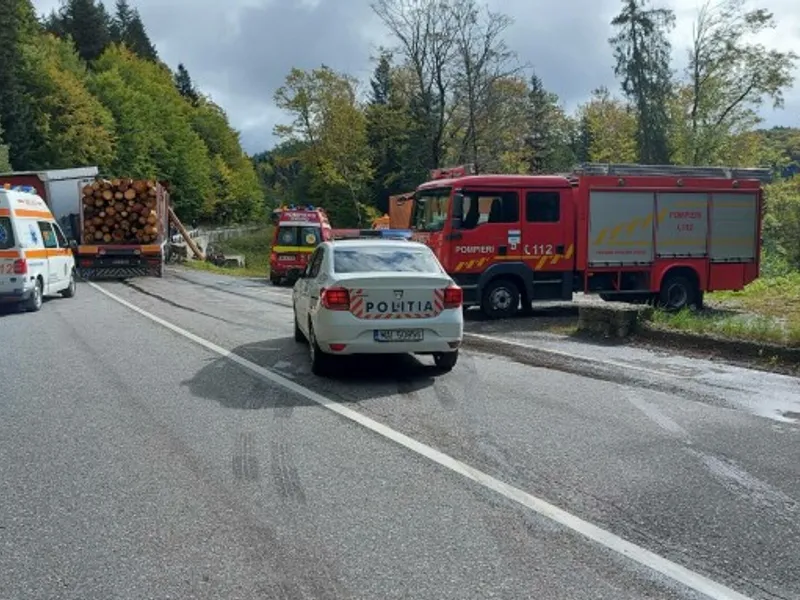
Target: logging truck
{"x":117,"y":227}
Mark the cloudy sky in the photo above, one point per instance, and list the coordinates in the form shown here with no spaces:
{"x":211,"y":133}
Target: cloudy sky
{"x":239,"y":51}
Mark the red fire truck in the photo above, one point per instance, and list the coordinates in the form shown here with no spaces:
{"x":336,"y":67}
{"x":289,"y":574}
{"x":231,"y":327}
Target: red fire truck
{"x":628,"y":232}
{"x":298,"y":230}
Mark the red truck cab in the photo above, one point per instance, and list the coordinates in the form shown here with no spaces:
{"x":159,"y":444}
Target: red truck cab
{"x":627,"y":232}
{"x":298,"y":231}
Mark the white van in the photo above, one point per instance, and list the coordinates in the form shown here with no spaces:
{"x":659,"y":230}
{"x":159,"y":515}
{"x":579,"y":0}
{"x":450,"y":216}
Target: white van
{"x":35,"y":258}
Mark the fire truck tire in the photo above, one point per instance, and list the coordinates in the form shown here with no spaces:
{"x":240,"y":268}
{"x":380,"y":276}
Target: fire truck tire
{"x":677,"y":292}
{"x":274,"y":279}
{"x":500,"y":299}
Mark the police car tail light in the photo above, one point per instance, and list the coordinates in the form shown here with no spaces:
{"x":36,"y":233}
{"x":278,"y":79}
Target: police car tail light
{"x":335,"y":298}
{"x":453,"y":297}
{"x":20,"y":266}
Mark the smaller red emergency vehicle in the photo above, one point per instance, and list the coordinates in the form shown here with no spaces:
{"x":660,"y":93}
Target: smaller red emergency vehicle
{"x":298,"y":231}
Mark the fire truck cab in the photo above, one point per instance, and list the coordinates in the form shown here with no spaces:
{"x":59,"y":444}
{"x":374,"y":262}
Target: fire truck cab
{"x":628,"y":232}
{"x":298,"y":231}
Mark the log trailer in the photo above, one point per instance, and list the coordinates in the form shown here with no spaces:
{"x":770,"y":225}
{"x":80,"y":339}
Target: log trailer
{"x":626,"y":232}
{"x":117,"y":228}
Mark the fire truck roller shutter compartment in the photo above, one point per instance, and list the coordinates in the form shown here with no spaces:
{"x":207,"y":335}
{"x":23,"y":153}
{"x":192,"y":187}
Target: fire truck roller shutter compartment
{"x":682,"y":225}
{"x":621,"y":228}
{"x":734,"y":224}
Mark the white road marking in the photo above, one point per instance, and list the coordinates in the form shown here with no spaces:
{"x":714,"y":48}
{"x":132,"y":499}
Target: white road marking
{"x":655,"y":415}
{"x":601,"y":361}
{"x":644,"y":557}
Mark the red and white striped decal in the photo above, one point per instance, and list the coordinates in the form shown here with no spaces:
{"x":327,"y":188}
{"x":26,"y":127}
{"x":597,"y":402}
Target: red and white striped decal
{"x":358,"y":308}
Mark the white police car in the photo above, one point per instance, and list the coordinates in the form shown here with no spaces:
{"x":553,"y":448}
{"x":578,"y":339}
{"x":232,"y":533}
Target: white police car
{"x":377,"y":296}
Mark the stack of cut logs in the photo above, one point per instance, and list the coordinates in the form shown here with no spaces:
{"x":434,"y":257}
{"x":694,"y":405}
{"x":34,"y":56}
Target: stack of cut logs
{"x":121,"y":211}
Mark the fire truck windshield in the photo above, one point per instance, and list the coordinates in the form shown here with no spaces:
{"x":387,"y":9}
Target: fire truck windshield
{"x":292,"y":235}
{"x":430,"y":209}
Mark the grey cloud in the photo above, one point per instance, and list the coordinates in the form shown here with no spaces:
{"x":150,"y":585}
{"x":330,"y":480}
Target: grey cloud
{"x":241,"y":50}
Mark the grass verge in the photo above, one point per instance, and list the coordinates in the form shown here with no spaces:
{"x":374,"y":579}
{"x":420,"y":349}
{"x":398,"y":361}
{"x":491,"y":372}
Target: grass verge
{"x":254,"y":246}
{"x":767,"y":311}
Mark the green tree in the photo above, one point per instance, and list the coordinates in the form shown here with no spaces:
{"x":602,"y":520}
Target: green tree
{"x":642,"y":53}
{"x":326,"y":116}
{"x":88,"y":24}
{"x":610,"y":128}
{"x":782,"y":221}
{"x":550,"y":143}
{"x":135,"y":37}
{"x":237,"y":192}
{"x":729,"y":76}
{"x":388,"y":132}
{"x":154,"y":135}
{"x":185,"y":85}
{"x":5,"y":163}
{"x":73,"y":125}
{"x":16,"y":112}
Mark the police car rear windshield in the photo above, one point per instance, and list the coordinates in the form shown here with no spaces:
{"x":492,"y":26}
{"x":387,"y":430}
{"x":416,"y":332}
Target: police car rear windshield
{"x":6,"y":234}
{"x":384,"y":260}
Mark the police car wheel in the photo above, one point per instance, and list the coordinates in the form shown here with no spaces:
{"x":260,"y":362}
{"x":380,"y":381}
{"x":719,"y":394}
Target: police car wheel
{"x":34,"y":303}
{"x":500,"y":299}
{"x":298,"y":333}
{"x":445,"y":361}
{"x":320,"y":362}
{"x":72,"y":288}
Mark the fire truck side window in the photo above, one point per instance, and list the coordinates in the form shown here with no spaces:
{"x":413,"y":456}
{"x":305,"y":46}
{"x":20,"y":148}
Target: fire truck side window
{"x":543,"y":207}
{"x":489,"y":207}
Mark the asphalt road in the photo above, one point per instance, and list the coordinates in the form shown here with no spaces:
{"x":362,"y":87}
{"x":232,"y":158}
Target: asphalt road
{"x":138,"y":463}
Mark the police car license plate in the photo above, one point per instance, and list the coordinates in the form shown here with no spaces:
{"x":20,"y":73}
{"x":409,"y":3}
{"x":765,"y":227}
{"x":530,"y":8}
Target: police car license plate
{"x":398,"y":335}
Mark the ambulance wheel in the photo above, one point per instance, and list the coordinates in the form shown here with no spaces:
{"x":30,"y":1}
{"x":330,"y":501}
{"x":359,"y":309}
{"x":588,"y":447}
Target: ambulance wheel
{"x":677,"y":293}
{"x":445,"y":361}
{"x":72,"y":288}
{"x":34,"y":303}
{"x":500,"y":299}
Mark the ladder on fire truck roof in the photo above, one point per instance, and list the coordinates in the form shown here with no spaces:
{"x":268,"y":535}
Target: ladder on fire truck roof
{"x":630,"y":170}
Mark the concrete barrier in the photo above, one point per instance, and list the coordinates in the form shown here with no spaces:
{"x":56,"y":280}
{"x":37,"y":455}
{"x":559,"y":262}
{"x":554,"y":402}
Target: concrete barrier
{"x":613,"y":319}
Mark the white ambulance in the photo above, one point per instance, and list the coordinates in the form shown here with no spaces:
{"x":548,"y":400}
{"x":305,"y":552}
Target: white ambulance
{"x":35,"y":257}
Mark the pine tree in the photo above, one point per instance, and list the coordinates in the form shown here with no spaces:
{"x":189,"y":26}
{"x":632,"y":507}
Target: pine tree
{"x":87,"y":22}
{"x":381,"y":81}
{"x":183,"y":81}
{"x":5,"y":163}
{"x":642,"y":51}
{"x":122,"y":19}
{"x":135,"y":37}
{"x":16,"y":114}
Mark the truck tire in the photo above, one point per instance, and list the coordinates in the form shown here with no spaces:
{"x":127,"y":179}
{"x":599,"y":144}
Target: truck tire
{"x":500,"y":299}
{"x":677,"y":292}
{"x":274,"y":279}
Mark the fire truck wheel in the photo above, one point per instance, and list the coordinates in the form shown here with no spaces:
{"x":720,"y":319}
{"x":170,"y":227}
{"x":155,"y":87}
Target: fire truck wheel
{"x":677,"y":293}
{"x":274,"y":279}
{"x":500,"y":299}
